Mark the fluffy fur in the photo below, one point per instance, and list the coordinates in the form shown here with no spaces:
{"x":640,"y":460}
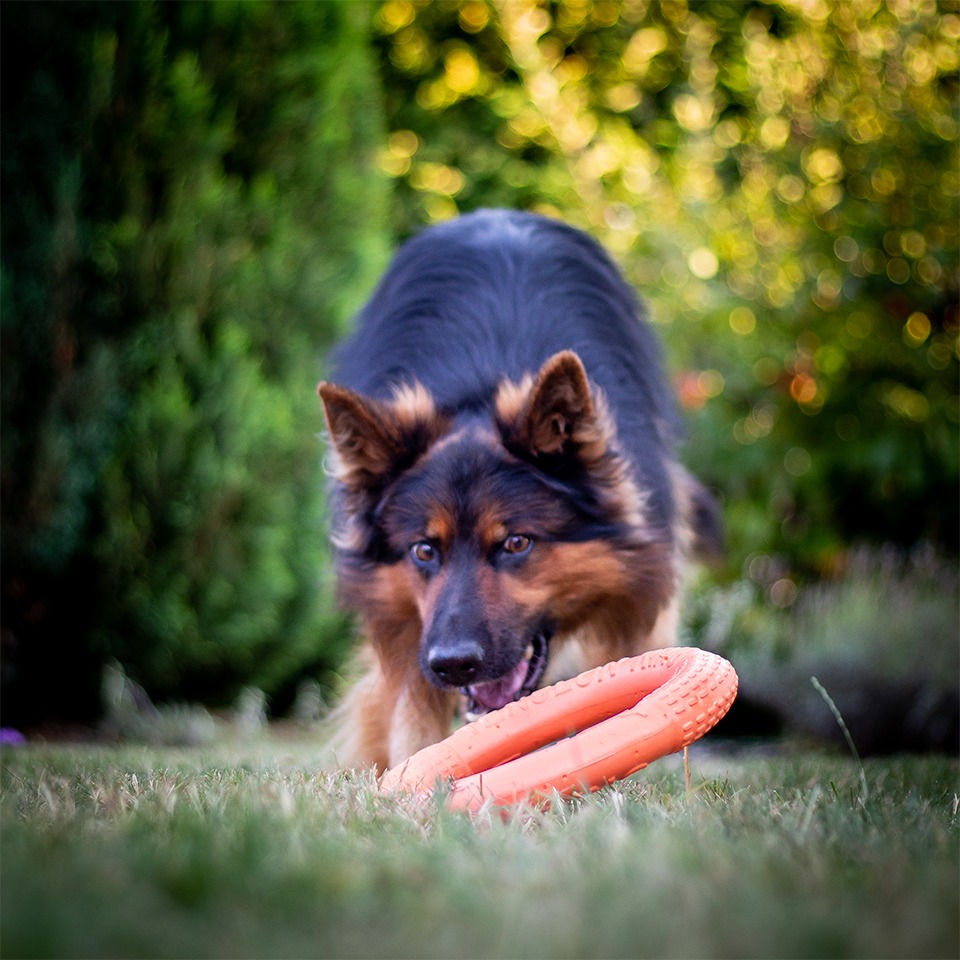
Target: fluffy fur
{"x":507,"y":506}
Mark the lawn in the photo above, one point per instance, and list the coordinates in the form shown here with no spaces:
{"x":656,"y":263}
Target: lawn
{"x":247,"y":850}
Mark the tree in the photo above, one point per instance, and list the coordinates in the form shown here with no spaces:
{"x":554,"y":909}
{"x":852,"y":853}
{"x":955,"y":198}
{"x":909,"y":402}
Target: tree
{"x":190,"y":214}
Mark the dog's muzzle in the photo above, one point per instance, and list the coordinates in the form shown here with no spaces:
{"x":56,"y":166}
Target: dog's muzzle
{"x":522,"y":680}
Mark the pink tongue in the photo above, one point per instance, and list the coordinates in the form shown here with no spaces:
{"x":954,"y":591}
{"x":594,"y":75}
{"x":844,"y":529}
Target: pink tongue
{"x":498,"y":693}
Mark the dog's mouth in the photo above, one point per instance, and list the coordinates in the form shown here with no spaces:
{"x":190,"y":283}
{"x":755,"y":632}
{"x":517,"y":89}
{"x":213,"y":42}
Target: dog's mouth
{"x":523,"y":679}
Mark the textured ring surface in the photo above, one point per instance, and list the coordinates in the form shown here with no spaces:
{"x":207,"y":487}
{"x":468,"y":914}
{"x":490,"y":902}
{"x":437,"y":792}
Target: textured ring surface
{"x":601,"y":726}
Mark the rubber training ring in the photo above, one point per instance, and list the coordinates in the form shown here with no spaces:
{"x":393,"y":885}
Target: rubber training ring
{"x":608,"y":722}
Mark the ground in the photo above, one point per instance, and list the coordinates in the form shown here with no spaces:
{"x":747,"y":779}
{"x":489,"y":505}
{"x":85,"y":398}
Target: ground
{"x":246,"y":849}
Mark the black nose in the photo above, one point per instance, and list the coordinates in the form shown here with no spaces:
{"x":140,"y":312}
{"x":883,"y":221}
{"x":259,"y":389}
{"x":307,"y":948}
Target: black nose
{"x":456,"y":664}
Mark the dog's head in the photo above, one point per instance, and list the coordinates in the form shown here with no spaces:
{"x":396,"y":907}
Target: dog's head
{"x":492,"y":532}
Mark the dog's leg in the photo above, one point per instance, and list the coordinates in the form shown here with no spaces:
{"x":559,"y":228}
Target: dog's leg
{"x":360,"y":724}
{"x":422,"y":715}
{"x":388,"y":715}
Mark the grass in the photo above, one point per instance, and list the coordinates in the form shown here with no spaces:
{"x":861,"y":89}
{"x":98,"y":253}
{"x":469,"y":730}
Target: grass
{"x":232,"y":851}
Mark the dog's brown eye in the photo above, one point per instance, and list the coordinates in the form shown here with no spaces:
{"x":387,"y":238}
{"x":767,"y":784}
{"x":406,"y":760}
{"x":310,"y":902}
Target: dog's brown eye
{"x":423,"y":552}
{"x":517,"y":543}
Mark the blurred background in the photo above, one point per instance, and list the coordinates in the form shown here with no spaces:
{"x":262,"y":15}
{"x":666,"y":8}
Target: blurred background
{"x":197,"y":196}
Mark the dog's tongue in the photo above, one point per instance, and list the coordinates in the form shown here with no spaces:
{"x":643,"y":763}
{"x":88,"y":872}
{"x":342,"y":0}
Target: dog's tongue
{"x":498,"y":693}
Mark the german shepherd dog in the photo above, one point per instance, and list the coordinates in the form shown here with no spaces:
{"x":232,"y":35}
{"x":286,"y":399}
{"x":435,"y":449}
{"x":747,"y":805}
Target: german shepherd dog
{"x":507,"y":508}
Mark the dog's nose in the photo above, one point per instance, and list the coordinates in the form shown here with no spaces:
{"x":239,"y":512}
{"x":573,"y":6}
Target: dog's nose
{"x":456,"y":664}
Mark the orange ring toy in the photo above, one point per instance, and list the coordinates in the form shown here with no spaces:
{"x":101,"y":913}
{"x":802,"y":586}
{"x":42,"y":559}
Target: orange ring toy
{"x":624,"y":715}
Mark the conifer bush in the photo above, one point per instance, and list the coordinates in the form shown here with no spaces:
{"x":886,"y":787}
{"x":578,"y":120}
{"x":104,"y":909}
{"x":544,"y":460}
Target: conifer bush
{"x":190,"y":214}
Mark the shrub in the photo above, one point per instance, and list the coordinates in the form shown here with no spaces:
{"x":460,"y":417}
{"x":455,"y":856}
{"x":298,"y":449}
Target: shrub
{"x":189,"y":216}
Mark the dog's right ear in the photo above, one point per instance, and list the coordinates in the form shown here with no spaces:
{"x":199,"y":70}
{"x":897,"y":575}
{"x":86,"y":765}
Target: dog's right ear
{"x":366,"y":445}
{"x":373,"y":440}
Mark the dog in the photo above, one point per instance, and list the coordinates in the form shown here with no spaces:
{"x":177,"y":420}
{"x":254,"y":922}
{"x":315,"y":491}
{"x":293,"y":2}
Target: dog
{"x":507,"y":507}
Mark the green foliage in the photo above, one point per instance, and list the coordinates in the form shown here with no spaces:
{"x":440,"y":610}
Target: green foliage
{"x":872,"y":616}
{"x":780,"y":180}
{"x":881,"y":636}
{"x":200,"y":218}
{"x":220,"y":853}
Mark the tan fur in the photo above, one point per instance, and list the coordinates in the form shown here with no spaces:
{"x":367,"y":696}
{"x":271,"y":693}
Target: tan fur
{"x":422,"y":715}
{"x":358,"y":727}
{"x":511,"y":398}
{"x":386,"y":715}
{"x":367,"y":436}
{"x":412,"y":405}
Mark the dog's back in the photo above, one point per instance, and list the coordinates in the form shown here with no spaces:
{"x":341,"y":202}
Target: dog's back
{"x":490,"y":296}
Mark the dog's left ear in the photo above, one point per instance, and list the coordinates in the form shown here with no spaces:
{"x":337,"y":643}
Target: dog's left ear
{"x":559,"y":415}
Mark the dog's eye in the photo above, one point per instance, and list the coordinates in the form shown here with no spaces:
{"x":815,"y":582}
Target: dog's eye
{"x":516,"y":544}
{"x":423,"y":552}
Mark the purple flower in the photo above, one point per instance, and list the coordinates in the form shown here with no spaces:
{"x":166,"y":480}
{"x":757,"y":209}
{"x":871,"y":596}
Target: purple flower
{"x":11,"y":737}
